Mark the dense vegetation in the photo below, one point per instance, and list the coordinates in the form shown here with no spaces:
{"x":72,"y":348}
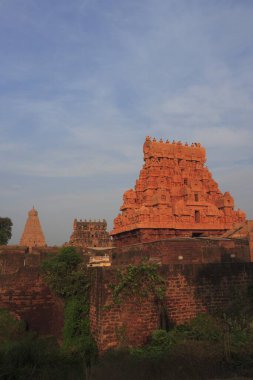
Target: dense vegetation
{"x":204,"y":348}
{"x":25,"y":356}
{"x":138,"y":281}
{"x":68,"y":278}
{"x":207,"y":347}
{"x":5,"y":230}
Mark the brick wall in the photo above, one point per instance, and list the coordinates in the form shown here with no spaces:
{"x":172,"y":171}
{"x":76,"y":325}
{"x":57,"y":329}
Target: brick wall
{"x":23,"y":292}
{"x":185,"y":251}
{"x":190,"y":289}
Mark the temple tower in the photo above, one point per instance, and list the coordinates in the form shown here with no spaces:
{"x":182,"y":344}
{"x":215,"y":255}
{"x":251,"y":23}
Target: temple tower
{"x":33,"y":235}
{"x":174,"y":196}
{"x":89,"y":233}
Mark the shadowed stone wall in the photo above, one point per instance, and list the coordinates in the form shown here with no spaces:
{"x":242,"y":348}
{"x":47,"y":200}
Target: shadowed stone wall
{"x":185,"y":251}
{"x":190,"y":289}
{"x":23,"y":292}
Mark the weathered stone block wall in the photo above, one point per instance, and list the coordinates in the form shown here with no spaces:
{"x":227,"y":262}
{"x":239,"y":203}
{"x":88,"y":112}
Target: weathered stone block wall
{"x":185,"y":251}
{"x":116,"y":325}
{"x":190,"y":289}
{"x":23,"y":292}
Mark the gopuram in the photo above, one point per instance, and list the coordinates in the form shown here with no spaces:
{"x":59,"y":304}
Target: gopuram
{"x":87,"y":233}
{"x":175,"y":196}
{"x":33,"y":235}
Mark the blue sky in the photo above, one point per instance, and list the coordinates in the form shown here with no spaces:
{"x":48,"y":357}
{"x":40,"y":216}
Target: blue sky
{"x":82,"y":82}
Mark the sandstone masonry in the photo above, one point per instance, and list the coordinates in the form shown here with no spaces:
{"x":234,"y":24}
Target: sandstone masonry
{"x":175,"y":195}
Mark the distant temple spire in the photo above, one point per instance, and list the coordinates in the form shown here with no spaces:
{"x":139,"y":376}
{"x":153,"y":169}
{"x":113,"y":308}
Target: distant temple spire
{"x":33,"y":235}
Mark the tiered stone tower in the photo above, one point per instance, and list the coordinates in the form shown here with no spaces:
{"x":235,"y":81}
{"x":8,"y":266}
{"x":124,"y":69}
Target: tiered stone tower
{"x":175,"y":195}
{"x":33,"y":235}
{"x":89,"y":233}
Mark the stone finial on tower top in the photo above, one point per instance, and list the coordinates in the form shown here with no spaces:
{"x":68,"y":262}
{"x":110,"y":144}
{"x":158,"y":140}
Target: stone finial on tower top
{"x":153,"y":148}
{"x":33,"y":212}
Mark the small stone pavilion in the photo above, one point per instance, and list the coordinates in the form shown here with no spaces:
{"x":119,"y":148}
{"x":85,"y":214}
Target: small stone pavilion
{"x":175,"y":196}
{"x":33,"y":235}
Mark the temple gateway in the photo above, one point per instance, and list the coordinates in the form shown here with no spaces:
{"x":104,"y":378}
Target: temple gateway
{"x":175,"y":196}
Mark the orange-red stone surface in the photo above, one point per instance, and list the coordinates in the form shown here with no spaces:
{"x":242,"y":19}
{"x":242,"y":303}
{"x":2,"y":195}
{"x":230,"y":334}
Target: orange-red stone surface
{"x":175,"y":192}
{"x":33,"y":235}
{"x":89,"y":234}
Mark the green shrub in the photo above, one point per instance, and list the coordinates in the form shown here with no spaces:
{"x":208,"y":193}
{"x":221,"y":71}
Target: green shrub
{"x":63,"y":275}
{"x":138,"y":281}
{"x":36,"y":358}
{"x":203,"y":327}
{"x":68,"y":278}
{"x":10,"y":328}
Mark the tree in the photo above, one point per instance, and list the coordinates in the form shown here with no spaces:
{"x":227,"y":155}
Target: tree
{"x":5,"y":230}
{"x":68,"y":278}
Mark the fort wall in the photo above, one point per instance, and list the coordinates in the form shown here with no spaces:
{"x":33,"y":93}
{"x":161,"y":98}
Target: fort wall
{"x":23,"y":292}
{"x":190,"y":289}
{"x":185,"y":251}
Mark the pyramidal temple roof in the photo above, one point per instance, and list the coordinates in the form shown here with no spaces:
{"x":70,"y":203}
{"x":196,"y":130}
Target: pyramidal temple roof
{"x":175,"y":190}
{"x":33,"y":235}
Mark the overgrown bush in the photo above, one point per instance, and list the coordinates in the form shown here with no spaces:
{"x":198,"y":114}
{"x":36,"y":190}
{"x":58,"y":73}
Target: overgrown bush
{"x":23,"y":355}
{"x":10,"y":328}
{"x":63,"y":274}
{"x":203,"y":327}
{"x":138,"y":281}
{"x":68,"y":278}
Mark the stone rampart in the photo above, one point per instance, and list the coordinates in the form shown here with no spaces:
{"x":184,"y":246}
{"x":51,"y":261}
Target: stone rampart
{"x":184,"y":251}
{"x":23,"y":292}
{"x":190,"y":289}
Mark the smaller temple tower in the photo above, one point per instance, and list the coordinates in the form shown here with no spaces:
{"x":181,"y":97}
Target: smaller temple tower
{"x":33,"y":235}
{"x":89,"y":233}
